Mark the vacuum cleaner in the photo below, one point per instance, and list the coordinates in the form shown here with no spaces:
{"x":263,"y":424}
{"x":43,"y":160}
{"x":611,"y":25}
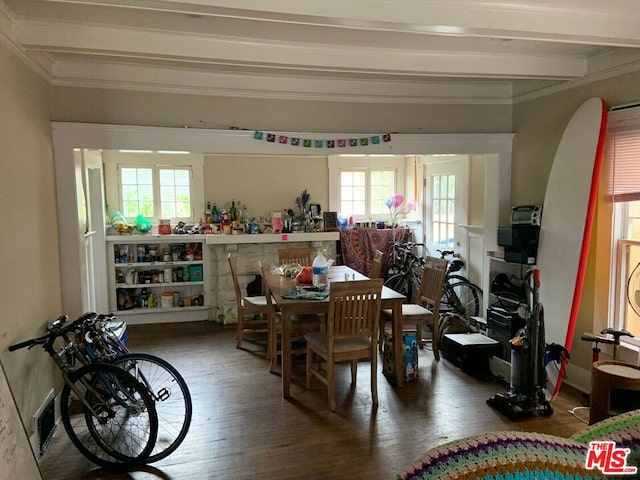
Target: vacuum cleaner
{"x":526,"y":394}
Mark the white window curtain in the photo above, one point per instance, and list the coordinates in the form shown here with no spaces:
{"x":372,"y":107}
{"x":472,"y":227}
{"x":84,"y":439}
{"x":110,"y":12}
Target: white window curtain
{"x":623,"y":154}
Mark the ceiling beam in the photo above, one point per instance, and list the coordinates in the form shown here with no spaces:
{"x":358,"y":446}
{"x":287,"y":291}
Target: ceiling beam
{"x":594,"y":22}
{"x":57,"y":36}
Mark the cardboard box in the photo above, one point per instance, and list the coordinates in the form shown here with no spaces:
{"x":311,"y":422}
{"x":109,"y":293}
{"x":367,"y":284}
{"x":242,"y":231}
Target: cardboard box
{"x":410,"y":359}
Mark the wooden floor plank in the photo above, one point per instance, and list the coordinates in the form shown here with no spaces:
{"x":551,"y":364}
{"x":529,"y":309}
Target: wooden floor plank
{"x":242,"y":427}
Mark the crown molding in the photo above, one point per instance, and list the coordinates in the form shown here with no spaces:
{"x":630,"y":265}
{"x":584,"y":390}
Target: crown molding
{"x":149,"y":78}
{"x":7,"y":38}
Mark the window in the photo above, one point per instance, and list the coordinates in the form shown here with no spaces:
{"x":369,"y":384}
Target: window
{"x":443,"y":210}
{"x":154,"y":184}
{"x":359,"y":185}
{"x":136,"y":185}
{"x":623,"y":192}
{"x":175,"y":193}
{"x":156,"y":192}
{"x":363,"y":192}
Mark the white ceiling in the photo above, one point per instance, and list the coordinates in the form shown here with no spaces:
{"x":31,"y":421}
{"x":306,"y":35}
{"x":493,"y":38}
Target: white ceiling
{"x":408,"y":51}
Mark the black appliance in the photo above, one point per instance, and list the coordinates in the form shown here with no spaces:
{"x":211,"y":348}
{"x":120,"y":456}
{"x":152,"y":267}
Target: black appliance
{"x":503,"y":324}
{"x":520,"y":243}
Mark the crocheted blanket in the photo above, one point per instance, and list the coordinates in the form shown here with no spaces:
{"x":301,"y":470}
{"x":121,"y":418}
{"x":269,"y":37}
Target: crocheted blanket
{"x":522,"y":455}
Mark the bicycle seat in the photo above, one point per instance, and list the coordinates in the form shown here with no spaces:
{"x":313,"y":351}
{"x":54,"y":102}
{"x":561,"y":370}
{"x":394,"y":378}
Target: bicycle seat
{"x":616,"y":334}
{"x":456,"y":266}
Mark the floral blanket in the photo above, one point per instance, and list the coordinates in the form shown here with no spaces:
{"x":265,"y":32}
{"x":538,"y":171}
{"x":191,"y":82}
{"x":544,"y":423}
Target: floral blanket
{"x":359,"y":246}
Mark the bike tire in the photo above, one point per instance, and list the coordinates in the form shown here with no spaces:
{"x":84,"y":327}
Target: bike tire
{"x":171,"y":395}
{"x":457,"y":278}
{"x":463,"y":298}
{"x":124,"y":433}
{"x":400,"y":283}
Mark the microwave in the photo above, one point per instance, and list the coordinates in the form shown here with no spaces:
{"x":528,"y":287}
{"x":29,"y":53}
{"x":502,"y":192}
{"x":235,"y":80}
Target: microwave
{"x":526,"y":215}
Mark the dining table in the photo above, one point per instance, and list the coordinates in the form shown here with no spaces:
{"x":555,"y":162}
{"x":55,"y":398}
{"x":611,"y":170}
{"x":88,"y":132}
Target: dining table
{"x":279,"y":285}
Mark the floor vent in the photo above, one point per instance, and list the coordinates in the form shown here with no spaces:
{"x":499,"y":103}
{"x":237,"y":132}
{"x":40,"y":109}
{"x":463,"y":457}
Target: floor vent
{"x":46,"y":423}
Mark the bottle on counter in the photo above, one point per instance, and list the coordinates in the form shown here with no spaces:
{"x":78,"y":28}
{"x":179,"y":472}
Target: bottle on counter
{"x":233,"y":212}
{"x":215,"y":214}
{"x":240,"y":218}
{"x":207,"y":214}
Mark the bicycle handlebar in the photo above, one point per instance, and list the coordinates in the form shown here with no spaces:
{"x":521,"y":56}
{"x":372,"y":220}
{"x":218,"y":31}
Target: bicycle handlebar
{"x":54,"y":333}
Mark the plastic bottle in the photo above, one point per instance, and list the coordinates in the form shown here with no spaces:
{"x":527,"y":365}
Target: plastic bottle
{"x":320,"y":268}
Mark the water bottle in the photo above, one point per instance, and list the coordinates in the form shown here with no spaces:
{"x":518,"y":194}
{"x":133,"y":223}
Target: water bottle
{"x":320,"y":270}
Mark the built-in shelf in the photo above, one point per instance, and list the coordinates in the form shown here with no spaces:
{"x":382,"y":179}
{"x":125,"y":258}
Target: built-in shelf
{"x":195,"y":294}
{"x":163,"y":284}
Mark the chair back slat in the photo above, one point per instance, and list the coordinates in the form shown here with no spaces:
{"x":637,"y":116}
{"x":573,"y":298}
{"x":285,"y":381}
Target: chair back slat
{"x":376,"y":266}
{"x":431,"y":287}
{"x":302,"y":256}
{"x":354,"y":308}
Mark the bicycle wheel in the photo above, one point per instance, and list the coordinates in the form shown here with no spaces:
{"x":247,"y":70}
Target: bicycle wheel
{"x":462,"y":298}
{"x":400,"y":283}
{"x":109,"y":416}
{"x":171,"y":396}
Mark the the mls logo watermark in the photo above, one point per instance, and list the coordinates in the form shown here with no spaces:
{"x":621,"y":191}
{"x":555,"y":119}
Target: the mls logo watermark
{"x":608,"y":459}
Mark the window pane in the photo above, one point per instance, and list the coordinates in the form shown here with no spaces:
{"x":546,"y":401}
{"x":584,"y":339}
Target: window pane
{"x":382,"y":186}
{"x":130,"y":193}
{"x":168,"y":194}
{"x":183,"y":178}
{"x":443,"y":210}
{"x":166,"y":177}
{"x":136,"y":186}
{"x":359,"y":208}
{"x":175,"y":192}
{"x":168,"y":209}
{"x":145,"y":193}
{"x":130,"y":209}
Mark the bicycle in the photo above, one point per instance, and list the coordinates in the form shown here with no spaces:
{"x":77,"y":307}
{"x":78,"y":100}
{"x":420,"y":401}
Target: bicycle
{"x":165,"y":384}
{"x":109,"y":415}
{"x":459,"y":295}
{"x":404,"y":275}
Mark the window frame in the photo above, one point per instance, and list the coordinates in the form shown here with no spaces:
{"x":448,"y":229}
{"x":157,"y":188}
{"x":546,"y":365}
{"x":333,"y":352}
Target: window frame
{"x":613,"y":220}
{"x":115,"y":160}
{"x":620,"y":271}
{"x":368,"y":164}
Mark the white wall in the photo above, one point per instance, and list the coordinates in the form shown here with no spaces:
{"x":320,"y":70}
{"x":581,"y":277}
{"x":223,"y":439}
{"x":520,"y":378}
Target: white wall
{"x":30,"y":282}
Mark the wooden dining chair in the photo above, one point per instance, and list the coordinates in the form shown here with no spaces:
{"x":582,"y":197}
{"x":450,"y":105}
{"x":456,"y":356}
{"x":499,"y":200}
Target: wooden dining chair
{"x":248,"y":306}
{"x":351,"y":335}
{"x":424,"y":313}
{"x":300,"y":325}
{"x":376,"y":265}
{"x":302,"y":256}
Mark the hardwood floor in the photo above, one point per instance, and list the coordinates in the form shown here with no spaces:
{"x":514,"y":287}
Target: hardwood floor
{"x":242,"y":427}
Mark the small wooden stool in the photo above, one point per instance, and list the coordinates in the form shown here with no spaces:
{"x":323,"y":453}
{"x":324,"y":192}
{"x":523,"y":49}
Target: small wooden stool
{"x":606,"y":376}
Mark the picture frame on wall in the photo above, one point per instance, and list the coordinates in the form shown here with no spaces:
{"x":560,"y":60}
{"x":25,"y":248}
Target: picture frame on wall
{"x":330,"y":220}
{"x":315,"y":210}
